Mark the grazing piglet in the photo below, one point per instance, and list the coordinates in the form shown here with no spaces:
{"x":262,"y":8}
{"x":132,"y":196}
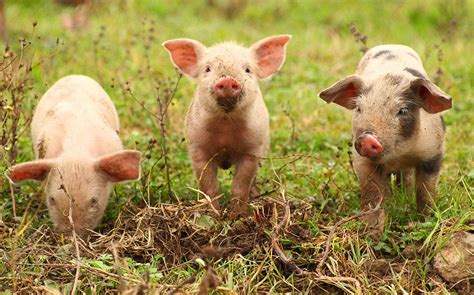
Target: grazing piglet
{"x":79,"y":153}
{"x":228,"y":121}
{"x":396,"y":125}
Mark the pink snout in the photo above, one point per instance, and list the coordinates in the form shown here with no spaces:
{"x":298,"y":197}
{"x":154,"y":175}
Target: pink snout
{"x":368,"y":146}
{"x":227,"y":87}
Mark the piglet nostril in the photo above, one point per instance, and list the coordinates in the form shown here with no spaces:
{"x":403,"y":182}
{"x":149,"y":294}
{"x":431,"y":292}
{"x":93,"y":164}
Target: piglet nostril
{"x":227,"y":87}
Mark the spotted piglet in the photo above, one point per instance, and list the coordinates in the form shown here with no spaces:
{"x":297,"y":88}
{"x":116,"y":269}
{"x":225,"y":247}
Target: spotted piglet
{"x":397,"y":125}
{"x":79,"y":153}
{"x":227,"y":123}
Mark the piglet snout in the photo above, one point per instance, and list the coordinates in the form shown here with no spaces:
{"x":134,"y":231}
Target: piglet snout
{"x":227,"y":87}
{"x":368,"y":146}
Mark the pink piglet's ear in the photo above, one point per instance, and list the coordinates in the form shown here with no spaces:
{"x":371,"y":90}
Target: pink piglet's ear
{"x":434,"y":100}
{"x":120,"y":166}
{"x":343,"y":92}
{"x":185,"y":54}
{"x":270,"y":54}
{"x":35,"y":170}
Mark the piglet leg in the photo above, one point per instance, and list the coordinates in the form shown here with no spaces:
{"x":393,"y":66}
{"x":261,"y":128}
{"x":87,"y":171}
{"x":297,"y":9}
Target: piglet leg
{"x":427,"y":174}
{"x":374,"y":187}
{"x":206,"y":173}
{"x":246,"y":170}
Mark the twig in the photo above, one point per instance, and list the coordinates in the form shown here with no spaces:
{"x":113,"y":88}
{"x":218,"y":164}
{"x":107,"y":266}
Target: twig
{"x":276,"y":246}
{"x":207,"y":203}
{"x":209,"y":200}
{"x":359,"y":37}
{"x":74,"y":236}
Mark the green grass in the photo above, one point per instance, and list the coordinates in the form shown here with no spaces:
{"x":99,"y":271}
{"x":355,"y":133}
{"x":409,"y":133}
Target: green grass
{"x":122,"y":43}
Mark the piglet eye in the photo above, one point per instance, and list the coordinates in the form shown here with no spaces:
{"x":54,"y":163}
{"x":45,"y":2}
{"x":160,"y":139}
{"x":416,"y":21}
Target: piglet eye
{"x":247,"y":70}
{"x":358,"y":109}
{"x":402,"y":112}
{"x":208,"y":69}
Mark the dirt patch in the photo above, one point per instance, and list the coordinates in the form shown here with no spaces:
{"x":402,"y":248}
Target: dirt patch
{"x":186,"y":233}
{"x":181,"y":233}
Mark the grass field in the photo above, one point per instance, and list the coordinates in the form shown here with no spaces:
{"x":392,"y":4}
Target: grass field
{"x":153,"y":241}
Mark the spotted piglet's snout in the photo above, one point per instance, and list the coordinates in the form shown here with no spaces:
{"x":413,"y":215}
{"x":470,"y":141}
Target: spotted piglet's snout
{"x":368,"y":146}
{"x":227,"y":87}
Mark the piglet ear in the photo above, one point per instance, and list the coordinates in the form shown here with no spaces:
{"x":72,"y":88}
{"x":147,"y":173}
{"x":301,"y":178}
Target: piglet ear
{"x":343,"y":92}
{"x":120,"y":166}
{"x":34,"y":170}
{"x":270,"y":54}
{"x":185,"y":55}
{"x":434,"y":100}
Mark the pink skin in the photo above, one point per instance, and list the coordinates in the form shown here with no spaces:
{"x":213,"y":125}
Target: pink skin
{"x":368,"y":146}
{"x":227,"y":87}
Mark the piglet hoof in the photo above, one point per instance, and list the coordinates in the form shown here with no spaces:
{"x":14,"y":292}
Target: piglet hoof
{"x":375,"y":224}
{"x":238,"y":210}
{"x":254,"y":192}
{"x":424,"y":209}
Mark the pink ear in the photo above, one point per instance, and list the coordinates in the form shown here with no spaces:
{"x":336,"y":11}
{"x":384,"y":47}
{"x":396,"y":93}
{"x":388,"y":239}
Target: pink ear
{"x":34,"y":170}
{"x":434,"y":99}
{"x":343,"y":92}
{"x":185,"y":54}
{"x":120,"y":166}
{"x":270,"y":54}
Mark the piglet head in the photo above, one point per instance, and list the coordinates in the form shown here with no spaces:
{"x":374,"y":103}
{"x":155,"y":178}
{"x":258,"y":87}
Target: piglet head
{"x":78,"y":184}
{"x":386,"y":111}
{"x":227,"y":73}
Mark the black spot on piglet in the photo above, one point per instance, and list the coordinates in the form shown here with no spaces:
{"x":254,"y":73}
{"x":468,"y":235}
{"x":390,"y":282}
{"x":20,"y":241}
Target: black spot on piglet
{"x":414,"y":72}
{"x":387,"y":54}
{"x":431,"y":166}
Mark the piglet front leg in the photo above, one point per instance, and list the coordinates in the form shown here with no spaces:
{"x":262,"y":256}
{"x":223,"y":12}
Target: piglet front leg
{"x":246,"y":170}
{"x":427,"y":174}
{"x":374,"y":188}
{"x":206,"y":173}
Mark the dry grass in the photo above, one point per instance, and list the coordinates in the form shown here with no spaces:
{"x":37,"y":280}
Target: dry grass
{"x":188,"y":236}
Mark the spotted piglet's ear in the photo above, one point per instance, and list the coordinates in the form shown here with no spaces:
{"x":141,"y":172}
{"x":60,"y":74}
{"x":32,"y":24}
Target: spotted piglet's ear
{"x":270,"y":54}
{"x":434,"y":100}
{"x":185,"y":55}
{"x":120,"y":166}
{"x":343,"y":92}
{"x":34,"y":170}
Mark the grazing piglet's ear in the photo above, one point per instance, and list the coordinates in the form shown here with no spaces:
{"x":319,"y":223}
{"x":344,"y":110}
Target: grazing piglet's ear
{"x":120,"y":166}
{"x":434,"y":100}
{"x":343,"y":92}
{"x":34,"y":170}
{"x":270,"y":54}
{"x":185,"y":55}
